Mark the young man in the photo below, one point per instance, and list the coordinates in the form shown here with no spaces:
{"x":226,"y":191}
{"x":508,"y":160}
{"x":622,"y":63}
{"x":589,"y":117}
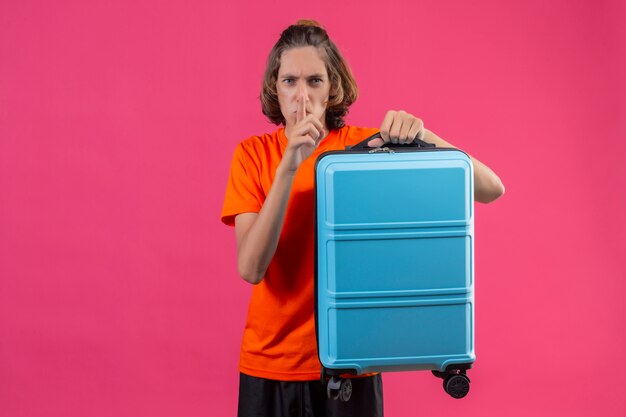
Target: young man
{"x":308,"y":88}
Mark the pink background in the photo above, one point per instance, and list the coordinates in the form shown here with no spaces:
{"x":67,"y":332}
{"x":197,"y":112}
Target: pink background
{"x":118,"y":287}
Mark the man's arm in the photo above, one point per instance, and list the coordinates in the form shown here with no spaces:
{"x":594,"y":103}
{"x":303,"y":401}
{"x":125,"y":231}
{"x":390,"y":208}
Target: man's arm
{"x":402,"y":127}
{"x":258,"y":233}
{"x":487,"y":185}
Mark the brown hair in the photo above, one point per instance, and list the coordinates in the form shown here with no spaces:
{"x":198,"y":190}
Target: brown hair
{"x":343,"y":88}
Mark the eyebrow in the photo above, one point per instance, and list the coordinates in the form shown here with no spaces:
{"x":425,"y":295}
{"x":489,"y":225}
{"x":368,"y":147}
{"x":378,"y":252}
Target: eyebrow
{"x":293,"y":76}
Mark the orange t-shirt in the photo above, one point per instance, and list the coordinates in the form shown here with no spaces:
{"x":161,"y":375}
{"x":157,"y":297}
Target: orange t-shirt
{"x":279,"y":338}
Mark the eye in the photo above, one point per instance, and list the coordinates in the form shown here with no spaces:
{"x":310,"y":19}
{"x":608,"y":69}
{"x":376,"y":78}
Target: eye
{"x":288,"y":81}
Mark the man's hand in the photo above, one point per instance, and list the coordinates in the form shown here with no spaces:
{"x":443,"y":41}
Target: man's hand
{"x":305,"y":137}
{"x":399,"y":127}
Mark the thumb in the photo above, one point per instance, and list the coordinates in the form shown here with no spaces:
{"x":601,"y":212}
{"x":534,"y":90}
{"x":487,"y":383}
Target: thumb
{"x":375,"y":143}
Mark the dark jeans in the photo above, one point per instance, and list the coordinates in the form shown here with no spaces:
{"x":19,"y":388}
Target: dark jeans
{"x":259,"y":397}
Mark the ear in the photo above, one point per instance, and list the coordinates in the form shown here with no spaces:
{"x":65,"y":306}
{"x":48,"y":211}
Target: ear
{"x":331,"y":98}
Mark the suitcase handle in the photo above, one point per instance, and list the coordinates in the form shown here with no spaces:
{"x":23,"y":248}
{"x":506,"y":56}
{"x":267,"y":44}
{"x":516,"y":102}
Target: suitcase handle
{"x":417,"y":143}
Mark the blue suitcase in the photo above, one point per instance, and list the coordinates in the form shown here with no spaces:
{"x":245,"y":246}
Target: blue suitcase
{"x":394,"y":263}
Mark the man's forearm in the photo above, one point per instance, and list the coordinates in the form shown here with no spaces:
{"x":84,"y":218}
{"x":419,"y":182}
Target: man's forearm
{"x":487,"y":185}
{"x":258,"y":246}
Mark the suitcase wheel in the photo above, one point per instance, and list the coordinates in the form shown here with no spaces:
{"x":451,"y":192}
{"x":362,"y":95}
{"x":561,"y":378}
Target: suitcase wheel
{"x":457,"y":385}
{"x":339,"y":389}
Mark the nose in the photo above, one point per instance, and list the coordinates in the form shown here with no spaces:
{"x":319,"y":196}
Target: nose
{"x":303,"y":93}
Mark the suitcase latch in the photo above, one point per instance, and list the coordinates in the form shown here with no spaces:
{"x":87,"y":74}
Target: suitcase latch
{"x":384,"y":149}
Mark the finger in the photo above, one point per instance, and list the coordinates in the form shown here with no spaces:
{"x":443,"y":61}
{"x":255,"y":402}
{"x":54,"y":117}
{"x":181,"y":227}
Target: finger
{"x":309,"y":130}
{"x":318,"y":125}
{"x":396,"y":126}
{"x":311,"y":122}
{"x":421,"y":134}
{"x":316,"y":122}
{"x":417,"y":128}
{"x":404,"y":136}
{"x":301,"y":112}
{"x":310,"y":142}
{"x":384,"y":128}
{"x":375,"y":143}
{"x":320,"y":137}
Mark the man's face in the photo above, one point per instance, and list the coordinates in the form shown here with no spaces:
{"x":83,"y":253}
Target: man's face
{"x":302,"y":76}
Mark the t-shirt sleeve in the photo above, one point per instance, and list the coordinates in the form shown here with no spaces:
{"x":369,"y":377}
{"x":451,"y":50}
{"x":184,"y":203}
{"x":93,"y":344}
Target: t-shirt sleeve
{"x":244,"y":193}
{"x":358,"y":134}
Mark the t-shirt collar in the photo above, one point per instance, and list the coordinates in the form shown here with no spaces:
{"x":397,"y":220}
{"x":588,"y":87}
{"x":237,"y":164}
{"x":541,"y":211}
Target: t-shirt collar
{"x":282,"y":138}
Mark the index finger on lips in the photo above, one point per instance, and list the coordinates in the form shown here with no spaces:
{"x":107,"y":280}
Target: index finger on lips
{"x":301,"y":112}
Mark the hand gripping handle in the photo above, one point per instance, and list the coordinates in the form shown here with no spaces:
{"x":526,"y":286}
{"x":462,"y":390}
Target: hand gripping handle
{"x":417,"y":143}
